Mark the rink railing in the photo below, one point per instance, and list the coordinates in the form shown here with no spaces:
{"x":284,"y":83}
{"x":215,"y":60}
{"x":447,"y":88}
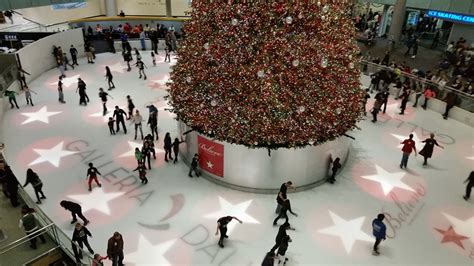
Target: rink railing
{"x":464,"y":100}
{"x":50,"y":230}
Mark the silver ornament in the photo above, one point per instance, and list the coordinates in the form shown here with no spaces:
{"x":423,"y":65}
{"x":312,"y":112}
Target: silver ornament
{"x":295,"y":62}
{"x":338,"y":111}
{"x":213,"y":103}
{"x":324,"y":62}
{"x":261,"y":74}
{"x":325,"y":8}
{"x":235,"y":22}
{"x":301,"y":109}
{"x":351,"y":65}
{"x":206,"y":46}
{"x":289,"y":20}
{"x":188,"y":79}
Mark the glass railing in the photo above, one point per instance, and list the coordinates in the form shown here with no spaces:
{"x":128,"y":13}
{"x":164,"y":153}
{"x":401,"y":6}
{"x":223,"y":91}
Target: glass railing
{"x":49,"y":230}
{"x":464,"y":100}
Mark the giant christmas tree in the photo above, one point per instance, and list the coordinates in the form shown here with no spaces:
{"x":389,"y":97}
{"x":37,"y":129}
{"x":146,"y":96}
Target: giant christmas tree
{"x":268,"y":73}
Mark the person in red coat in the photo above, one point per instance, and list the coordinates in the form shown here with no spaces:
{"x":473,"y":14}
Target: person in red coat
{"x":408,"y":147}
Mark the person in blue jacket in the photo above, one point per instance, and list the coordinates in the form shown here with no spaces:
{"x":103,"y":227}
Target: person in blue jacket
{"x":379,"y":229}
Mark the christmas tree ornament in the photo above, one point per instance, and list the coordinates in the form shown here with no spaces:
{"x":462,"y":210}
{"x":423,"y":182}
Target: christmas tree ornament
{"x":289,"y":20}
{"x":206,"y":46}
{"x":235,"y":22}
{"x":324,"y":62}
{"x":295,"y":62}
{"x":261,"y":74}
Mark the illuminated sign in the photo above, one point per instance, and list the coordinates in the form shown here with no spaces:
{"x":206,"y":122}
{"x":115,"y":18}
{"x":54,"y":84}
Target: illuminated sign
{"x":451,"y":16}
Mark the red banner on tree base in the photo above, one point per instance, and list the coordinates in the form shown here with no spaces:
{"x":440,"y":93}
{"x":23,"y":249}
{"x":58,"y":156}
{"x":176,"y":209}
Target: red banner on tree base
{"x":211,"y":156}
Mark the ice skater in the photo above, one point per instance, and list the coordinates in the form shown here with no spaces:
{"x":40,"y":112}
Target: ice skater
{"x":65,"y":62}
{"x":470,"y":184}
{"x":103,"y":96}
{"x":222,"y":228}
{"x":73,"y":52}
{"x":403,"y":105}
{"x":281,"y":197}
{"x":153,"y":122}
{"x":378,"y":230}
{"x":168,"y":146}
{"x":137,"y":121}
{"x":92,"y":173}
{"x":60,"y":90}
{"x":194,"y":166}
{"x":336,"y":165}
{"x":130,"y":107}
{"x":120,"y":116}
{"x":427,"y":150}
{"x":109,"y":77}
{"x":282,"y":249}
{"x":28,"y":92}
{"x":22,"y":78}
{"x":33,"y":179}
{"x":142,"y":173}
{"x":80,"y":235}
{"x":141,"y":68}
{"x":280,"y":235}
{"x":167,"y":54}
{"x":153,"y":58}
{"x":75,"y":209}
{"x":285,"y":207}
{"x":364,"y":101}
{"x":11,"y":98}
{"x":146,"y":151}
{"x":151,"y":144}
{"x":127,"y":57}
{"x":376,"y":108}
{"x":110,"y":123}
{"x":138,"y":156}
{"x":408,"y":147}
{"x":81,"y":87}
{"x":176,"y":148}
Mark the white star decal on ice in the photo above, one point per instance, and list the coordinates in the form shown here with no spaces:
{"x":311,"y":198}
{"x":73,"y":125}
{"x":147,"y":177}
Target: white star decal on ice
{"x":53,"y":155}
{"x":105,"y":117}
{"x":41,"y":115}
{"x":97,"y":199}
{"x":149,"y":254}
{"x":209,"y":164}
{"x":117,"y":67}
{"x":162,"y":81}
{"x":138,"y":145}
{"x":402,"y":138}
{"x":347,"y":230}
{"x":68,"y":81}
{"x":387,"y":180}
{"x":465,"y":228}
{"x":470,"y":157}
{"x":237,"y":210}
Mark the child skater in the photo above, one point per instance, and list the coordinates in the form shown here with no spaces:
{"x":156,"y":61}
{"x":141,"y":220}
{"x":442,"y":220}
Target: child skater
{"x":28,"y":92}
{"x":138,"y":156}
{"x":167,"y":54}
{"x":111,"y":125}
{"x":97,"y":261}
{"x":103,"y":96}
{"x":109,"y":77}
{"x":141,"y":68}
{"x":142,"y":173}
{"x":153,"y":58}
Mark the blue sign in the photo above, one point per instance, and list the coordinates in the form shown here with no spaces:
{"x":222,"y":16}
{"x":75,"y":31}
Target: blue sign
{"x":74,"y":5}
{"x":451,"y":16}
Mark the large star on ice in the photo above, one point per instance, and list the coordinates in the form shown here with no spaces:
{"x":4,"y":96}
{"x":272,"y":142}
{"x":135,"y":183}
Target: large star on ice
{"x":67,"y":81}
{"x":465,"y":228}
{"x":388,"y":181}
{"x":42,"y":115}
{"x":451,"y":236}
{"x":402,"y":138}
{"x":53,"y":155}
{"x":471,"y":157}
{"x":138,"y":145}
{"x":159,"y":83}
{"x":117,"y":67}
{"x":149,"y":254}
{"x":349,"y":231}
{"x":98,"y":199}
{"x":237,"y":210}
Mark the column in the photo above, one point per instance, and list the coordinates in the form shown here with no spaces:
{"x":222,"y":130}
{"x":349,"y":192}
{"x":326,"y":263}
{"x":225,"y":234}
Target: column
{"x":398,"y":19}
{"x":111,"y":8}
{"x":168,"y":8}
{"x":384,"y":21}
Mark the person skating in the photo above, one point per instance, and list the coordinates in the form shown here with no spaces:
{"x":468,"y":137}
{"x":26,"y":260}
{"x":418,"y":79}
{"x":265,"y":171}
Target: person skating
{"x":115,"y":249}
{"x":384,"y":99}
{"x":149,"y":140}
{"x":408,"y":147}
{"x":92,"y":173}
{"x":470,"y":184}
{"x":222,"y":228}
{"x":33,"y":179}
{"x":280,"y":235}
{"x":405,"y":97}
{"x":176,"y":149}
{"x":146,"y":151}
{"x":141,"y":68}
{"x":65,"y":62}
{"x":110,"y":123}
{"x":120,"y":116}
{"x":109,"y":77}
{"x":81,"y":87}
{"x":376,"y":108}
{"x":336,"y":165}
{"x":127,"y":57}
{"x":29,"y":223}
{"x":427,"y":150}
{"x":364,"y":101}
{"x":73,"y":52}
{"x":11,"y":98}
{"x":153,"y":58}
{"x":103,"y":96}
{"x":167,"y":54}
{"x":282,"y":250}
{"x":269,"y":259}
{"x":281,"y":197}
{"x":22,"y":78}
{"x":153,"y":122}
{"x":194,"y":165}
{"x":137,"y":121}
{"x":75,"y":209}
{"x":80,"y":235}
{"x":168,"y":145}
{"x":378,"y":230}
{"x":60,"y":90}
{"x":141,"y":168}
{"x":285,"y":207}
{"x":28,"y":92}
{"x":130,"y":107}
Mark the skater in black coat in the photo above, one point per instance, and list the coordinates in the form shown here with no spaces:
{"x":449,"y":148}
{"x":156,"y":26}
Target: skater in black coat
{"x":427,"y":150}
